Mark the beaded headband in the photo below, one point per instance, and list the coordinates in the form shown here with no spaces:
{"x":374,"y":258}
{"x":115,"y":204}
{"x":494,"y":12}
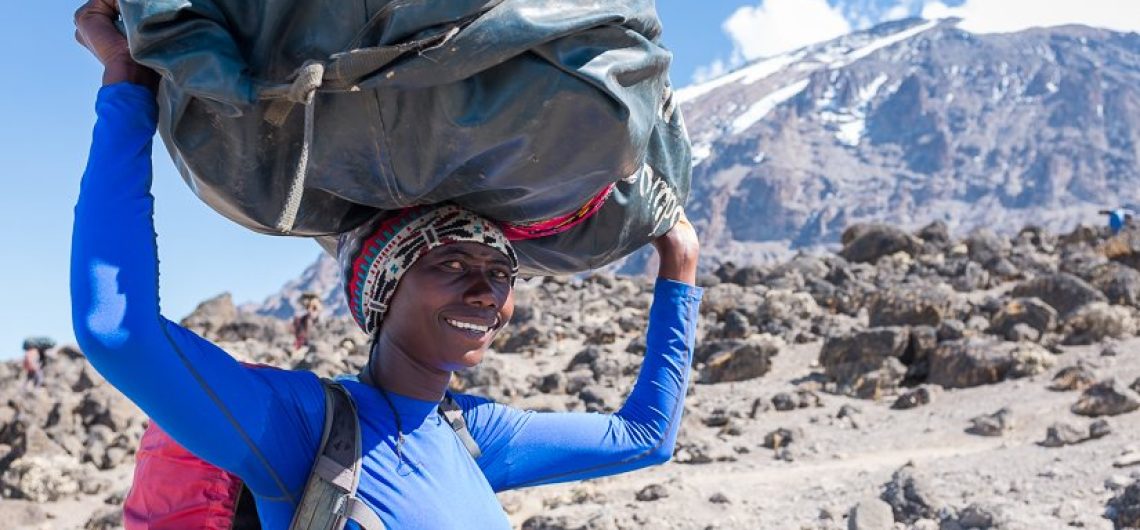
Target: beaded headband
{"x":375,"y":256}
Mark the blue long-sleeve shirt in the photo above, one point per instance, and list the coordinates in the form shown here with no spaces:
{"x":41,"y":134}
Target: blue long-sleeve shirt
{"x":264,"y":425}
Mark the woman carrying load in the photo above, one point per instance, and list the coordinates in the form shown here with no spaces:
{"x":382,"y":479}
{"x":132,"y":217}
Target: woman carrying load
{"x":431,"y":285}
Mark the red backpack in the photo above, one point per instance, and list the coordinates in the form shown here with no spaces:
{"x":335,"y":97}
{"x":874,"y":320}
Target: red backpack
{"x":173,"y":489}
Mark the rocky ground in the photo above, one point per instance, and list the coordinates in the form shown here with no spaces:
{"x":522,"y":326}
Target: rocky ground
{"x":911,"y":381}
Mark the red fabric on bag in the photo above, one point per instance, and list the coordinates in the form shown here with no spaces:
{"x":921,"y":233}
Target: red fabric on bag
{"x":173,"y":489}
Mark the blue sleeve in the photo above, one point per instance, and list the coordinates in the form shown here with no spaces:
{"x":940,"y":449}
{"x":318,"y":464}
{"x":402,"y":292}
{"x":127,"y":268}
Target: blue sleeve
{"x":523,"y":448}
{"x":224,"y":412}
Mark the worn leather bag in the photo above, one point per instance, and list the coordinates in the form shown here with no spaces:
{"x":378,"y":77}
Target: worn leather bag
{"x":308,"y":117}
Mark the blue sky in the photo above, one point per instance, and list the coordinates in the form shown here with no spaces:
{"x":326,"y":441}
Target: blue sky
{"x":47,"y":118}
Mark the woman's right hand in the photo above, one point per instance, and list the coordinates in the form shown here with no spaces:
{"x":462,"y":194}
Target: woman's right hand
{"x":95,"y":29}
{"x":679,"y":251}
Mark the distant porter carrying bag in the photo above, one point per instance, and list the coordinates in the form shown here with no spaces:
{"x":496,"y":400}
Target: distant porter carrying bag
{"x":307,"y":117}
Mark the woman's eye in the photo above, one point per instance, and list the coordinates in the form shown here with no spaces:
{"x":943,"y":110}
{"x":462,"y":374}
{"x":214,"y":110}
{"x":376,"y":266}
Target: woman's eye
{"x":500,"y":274}
{"x":454,"y":265}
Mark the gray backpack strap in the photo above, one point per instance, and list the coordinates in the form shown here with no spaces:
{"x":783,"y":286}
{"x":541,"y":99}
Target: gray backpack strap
{"x":329,"y":500}
{"x":451,"y":412}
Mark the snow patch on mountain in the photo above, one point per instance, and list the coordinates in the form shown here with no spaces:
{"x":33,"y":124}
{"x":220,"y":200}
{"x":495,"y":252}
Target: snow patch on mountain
{"x":748,"y":75}
{"x":761,"y":108}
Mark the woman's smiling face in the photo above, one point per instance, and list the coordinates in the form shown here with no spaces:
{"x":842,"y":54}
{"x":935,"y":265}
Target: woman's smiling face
{"x":450,"y":305}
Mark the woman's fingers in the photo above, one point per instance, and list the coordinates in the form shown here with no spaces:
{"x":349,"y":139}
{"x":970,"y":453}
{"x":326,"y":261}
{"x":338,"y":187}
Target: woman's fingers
{"x":95,"y":29}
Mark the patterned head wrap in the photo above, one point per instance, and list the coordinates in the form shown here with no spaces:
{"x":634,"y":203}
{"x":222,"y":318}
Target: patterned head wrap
{"x":375,"y":256}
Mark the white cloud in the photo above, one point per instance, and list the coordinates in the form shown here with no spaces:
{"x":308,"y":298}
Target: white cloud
{"x":899,"y":11}
{"x":777,"y":26}
{"x":1003,"y":16}
{"x":711,"y":71}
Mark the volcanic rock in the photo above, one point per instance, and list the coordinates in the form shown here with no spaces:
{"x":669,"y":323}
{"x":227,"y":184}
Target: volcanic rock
{"x":967,"y":363}
{"x":44,"y":479}
{"x":529,"y":338}
{"x":781,"y":438}
{"x":910,"y":496}
{"x":1073,"y":378}
{"x":1064,"y":292}
{"x":1123,"y":248}
{"x":910,"y":306}
{"x":935,"y":233}
{"x":652,"y":492}
{"x":211,"y":316}
{"x":1061,"y":434}
{"x":985,"y":247}
{"x":1029,"y":360}
{"x":1120,"y":284}
{"x":868,"y":243}
{"x":1029,"y":311}
{"x":996,"y":424}
{"x":1107,"y":398}
{"x":861,"y":363}
{"x":1124,"y":509}
{"x":1095,"y":322}
{"x":914,"y":398}
{"x":747,"y":360}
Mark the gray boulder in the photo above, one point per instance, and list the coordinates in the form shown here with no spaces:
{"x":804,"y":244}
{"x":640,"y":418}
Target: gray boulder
{"x":967,"y":363}
{"x":211,"y":316}
{"x":861,"y":363}
{"x":910,"y":496}
{"x":748,"y":360}
{"x":910,"y":306}
{"x":1064,"y":292}
{"x":866,"y":243}
{"x":1030,"y":311}
{"x":985,"y":247}
{"x":913,"y":399}
{"x":1097,"y":322}
{"x":526,"y":339}
{"x":1073,"y":378}
{"x":44,"y":479}
{"x":1107,"y":398}
{"x":1061,"y":434}
{"x":1123,"y":248}
{"x":996,"y":424}
{"x":1124,"y":509}
{"x":1028,"y":360}
{"x":936,"y":233}
{"x":1119,"y":283}
{"x":870,"y":514}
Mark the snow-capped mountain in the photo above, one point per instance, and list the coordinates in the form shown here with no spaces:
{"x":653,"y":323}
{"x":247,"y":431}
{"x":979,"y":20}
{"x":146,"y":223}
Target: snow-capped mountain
{"x":913,"y":121}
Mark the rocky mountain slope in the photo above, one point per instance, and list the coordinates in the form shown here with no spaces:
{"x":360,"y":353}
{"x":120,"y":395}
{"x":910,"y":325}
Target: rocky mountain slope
{"x":910,"y":122}
{"x":912,"y":380}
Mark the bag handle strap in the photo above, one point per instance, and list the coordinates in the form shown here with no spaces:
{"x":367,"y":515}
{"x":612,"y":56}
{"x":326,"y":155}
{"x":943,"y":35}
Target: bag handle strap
{"x":329,"y":500}
{"x":451,"y":412}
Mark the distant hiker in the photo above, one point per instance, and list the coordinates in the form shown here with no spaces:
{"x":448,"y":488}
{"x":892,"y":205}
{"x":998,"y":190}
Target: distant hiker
{"x":1118,"y":218}
{"x":35,"y":357}
{"x":305,"y":323}
{"x":432,"y":286}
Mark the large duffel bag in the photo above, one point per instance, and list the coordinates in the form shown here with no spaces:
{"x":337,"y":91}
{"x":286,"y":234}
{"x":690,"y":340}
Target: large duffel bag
{"x":307,"y":117}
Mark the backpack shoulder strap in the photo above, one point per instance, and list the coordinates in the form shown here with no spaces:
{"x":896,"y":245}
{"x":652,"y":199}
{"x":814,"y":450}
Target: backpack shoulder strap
{"x":329,"y":500}
{"x":451,"y":412}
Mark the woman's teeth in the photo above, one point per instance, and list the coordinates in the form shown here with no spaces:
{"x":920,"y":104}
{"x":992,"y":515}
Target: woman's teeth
{"x":466,"y":325}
